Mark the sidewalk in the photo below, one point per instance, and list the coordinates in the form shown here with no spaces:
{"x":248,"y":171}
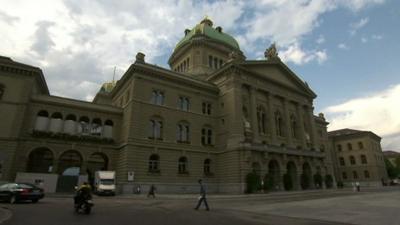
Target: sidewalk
{"x":5,"y":214}
{"x":269,"y":195}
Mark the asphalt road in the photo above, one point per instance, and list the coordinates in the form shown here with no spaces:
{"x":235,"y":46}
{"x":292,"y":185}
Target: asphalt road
{"x":121,"y":211}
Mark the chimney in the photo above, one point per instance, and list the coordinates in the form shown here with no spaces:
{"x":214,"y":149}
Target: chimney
{"x":219,"y":29}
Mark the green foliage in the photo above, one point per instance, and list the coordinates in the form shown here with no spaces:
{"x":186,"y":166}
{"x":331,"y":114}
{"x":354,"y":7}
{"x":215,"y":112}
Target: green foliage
{"x":253,"y":182}
{"x":393,"y":172}
{"x":328,"y":181}
{"x":287,"y":182}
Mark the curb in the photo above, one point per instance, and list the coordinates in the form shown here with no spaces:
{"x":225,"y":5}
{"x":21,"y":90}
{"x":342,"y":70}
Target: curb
{"x":5,"y":214}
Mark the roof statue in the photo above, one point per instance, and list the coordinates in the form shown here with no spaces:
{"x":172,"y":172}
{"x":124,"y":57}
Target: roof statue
{"x":271,"y":52}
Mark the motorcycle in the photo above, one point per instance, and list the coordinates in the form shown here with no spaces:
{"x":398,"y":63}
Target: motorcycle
{"x":83,"y":201}
{"x":85,"y":206}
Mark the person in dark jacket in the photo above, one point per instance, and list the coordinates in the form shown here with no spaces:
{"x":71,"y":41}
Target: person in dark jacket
{"x":152,"y":191}
{"x":202,"y":197}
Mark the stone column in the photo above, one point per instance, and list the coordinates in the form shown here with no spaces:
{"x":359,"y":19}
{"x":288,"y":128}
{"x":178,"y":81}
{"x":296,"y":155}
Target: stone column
{"x":271,"y":119}
{"x":287,"y":123}
{"x":301,"y":125}
{"x":312,"y":126}
{"x":253,"y":115}
{"x":55,"y":166}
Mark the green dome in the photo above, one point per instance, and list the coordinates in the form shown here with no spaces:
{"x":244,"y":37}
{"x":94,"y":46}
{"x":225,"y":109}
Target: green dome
{"x":108,"y":87}
{"x":205,"y":28}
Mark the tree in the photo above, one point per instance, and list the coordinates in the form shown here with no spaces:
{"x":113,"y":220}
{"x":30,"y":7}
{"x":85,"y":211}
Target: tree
{"x":393,"y":172}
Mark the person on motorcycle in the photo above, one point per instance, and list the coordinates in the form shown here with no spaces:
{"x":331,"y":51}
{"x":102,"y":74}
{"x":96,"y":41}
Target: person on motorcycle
{"x":83,"y":193}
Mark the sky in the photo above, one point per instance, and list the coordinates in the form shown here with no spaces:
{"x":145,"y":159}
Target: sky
{"x":346,"y":50}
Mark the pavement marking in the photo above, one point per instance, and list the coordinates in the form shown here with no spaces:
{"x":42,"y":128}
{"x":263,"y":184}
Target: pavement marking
{"x":7,"y":213}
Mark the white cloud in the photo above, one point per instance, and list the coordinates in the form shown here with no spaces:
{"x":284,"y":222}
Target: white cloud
{"x":357,"y":5}
{"x":343,"y":46}
{"x":294,"y":53}
{"x":377,"y":112}
{"x":320,"y":40}
{"x":104,"y":34}
{"x":377,"y":37}
{"x":364,"y":40}
{"x":354,"y":27}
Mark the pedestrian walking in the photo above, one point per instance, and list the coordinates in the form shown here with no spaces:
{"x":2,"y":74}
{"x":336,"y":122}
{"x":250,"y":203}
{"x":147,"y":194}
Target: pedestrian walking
{"x":152,"y":191}
{"x":354,"y":186}
{"x":358,"y":186}
{"x":202,"y":197}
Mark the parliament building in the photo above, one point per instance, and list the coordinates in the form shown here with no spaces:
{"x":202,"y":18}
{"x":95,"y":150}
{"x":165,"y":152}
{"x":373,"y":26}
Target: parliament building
{"x":212,"y":115}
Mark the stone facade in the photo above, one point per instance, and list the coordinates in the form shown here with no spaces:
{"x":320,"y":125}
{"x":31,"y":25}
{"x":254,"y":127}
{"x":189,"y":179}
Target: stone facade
{"x":214,"y":115}
{"x":359,"y":157}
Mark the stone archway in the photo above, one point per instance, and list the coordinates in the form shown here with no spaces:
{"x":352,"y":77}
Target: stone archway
{"x":306,"y":177}
{"x":97,"y":161}
{"x":40,"y":160}
{"x":69,"y":168}
{"x":273,"y":178}
{"x":290,"y":180}
{"x":70,"y":163}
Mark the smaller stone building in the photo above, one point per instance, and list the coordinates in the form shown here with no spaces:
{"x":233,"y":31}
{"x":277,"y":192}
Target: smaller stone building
{"x":359,"y":157}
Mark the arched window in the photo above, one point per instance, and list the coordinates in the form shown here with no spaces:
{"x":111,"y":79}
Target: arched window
{"x":261,"y":119}
{"x":341,"y":160}
{"x":156,"y":128}
{"x":366,"y":174}
{"x":278,"y":124}
{"x":96,"y":127}
{"x":43,"y":113}
{"x":360,"y":145}
{"x":363,"y":159}
{"x":69,"y":163}
{"x":56,"y":115}
{"x":206,"y":136}
{"x":355,"y":175}
{"x":109,"y":123}
{"x":207,"y":166}
{"x":40,"y":161}
{"x":157,"y":97}
{"x":352,"y":160}
{"x":182,"y":165}
{"x":154,"y":163}
{"x":183,"y":132}
{"x":183,"y":103}
{"x":70,"y":117}
{"x":84,"y":126}
{"x":293,"y":126}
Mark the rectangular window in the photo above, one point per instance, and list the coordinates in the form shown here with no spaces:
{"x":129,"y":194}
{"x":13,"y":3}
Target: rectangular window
{"x":344,"y":175}
{"x":206,"y":108}
{"x":339,"y":148}
{"x":360,"y":145}
{"x":215,"y":63}
{"x":210,"y":61}
{"x":221,"y":63}
{"x":349,"y":146}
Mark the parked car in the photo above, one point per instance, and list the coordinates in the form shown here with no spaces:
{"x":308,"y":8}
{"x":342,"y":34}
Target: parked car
{"x":14,"y":192}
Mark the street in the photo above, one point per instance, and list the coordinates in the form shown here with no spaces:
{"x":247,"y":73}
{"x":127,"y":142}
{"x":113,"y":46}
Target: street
{"x":276,"y":209}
